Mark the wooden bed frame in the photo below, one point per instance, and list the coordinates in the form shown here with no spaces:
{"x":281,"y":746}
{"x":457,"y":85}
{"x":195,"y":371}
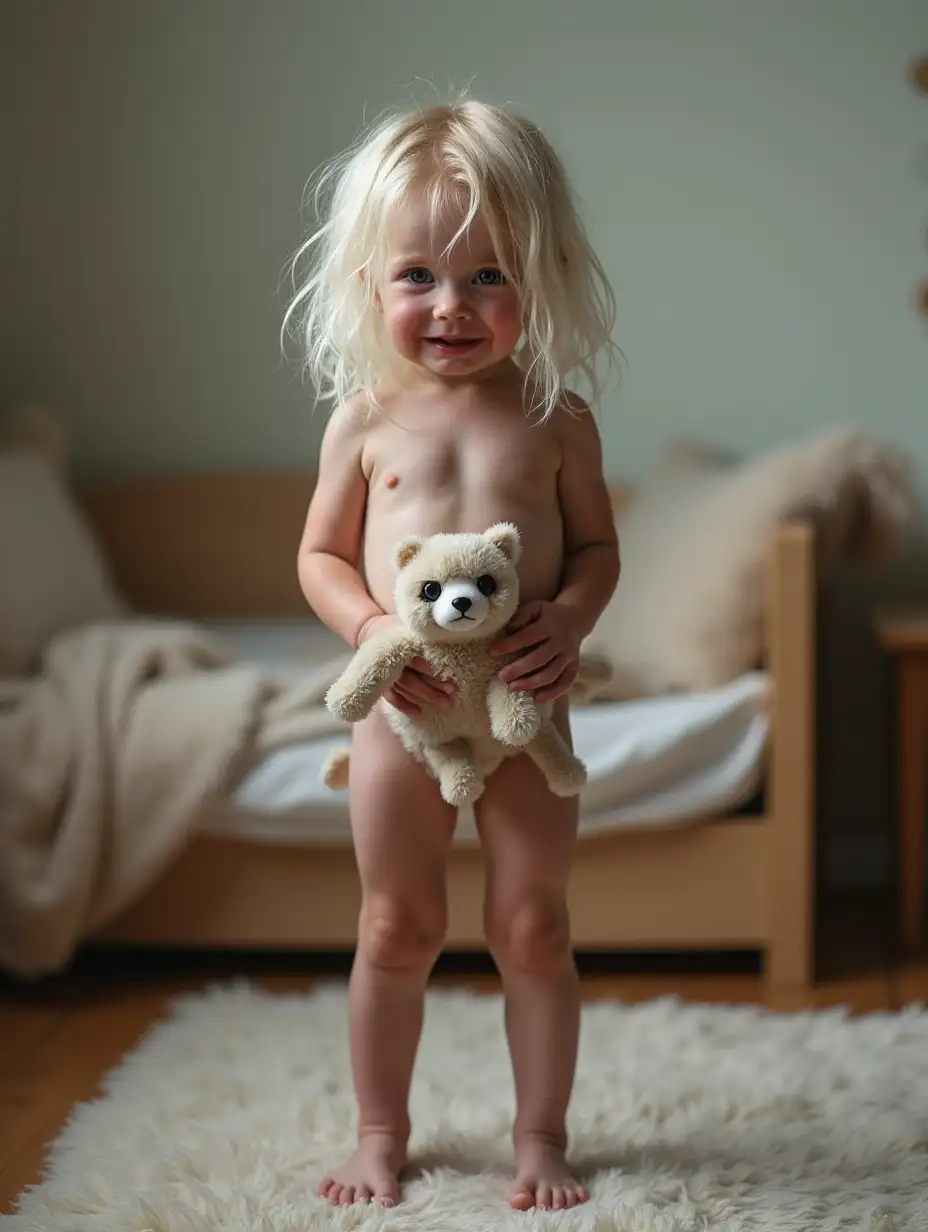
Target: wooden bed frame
{"x":223,"y":546}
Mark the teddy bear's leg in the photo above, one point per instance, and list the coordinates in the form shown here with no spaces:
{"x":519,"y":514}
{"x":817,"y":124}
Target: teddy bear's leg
{"x":335,"y":769}
{"x":514,"y":717}
{"x":563,"y":770}
{"x":593,"y":674}
{"x":455,"y":767}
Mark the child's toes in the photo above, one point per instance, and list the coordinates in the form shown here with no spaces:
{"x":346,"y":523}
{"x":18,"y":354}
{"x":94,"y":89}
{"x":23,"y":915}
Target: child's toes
{"x":386,"y":1194}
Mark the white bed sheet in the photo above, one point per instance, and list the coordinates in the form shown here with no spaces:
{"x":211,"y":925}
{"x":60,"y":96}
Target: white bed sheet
{"x":656,"y":762}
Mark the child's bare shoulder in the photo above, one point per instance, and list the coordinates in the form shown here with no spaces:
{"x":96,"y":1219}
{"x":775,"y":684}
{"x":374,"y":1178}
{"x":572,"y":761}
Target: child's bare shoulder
{"x":341,"y":450}
{"x":575,"y":420}
{"x":580,"y":444}
{"x":573,"y":407}
{"x":350,"y":420}
{"x":346,"y":431}
{"x":358,"y":417}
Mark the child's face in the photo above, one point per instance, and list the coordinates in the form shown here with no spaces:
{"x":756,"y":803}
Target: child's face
{"x":452,"y":313}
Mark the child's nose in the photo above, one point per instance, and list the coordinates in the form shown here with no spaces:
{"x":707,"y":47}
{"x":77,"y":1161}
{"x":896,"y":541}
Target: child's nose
{"x":451,"y":302}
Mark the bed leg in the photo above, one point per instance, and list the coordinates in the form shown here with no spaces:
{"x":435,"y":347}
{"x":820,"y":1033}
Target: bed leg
{"x":790,"y":857}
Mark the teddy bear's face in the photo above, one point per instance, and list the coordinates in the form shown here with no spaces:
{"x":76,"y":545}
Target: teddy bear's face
{"x":453,"y":587}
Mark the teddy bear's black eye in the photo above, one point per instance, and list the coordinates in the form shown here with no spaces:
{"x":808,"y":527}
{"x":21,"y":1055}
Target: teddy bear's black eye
{"x":430,"y":591}
{"x":486,"y":585}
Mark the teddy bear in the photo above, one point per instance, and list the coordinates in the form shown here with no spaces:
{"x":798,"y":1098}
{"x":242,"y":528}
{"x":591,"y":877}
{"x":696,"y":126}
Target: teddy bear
{"x":454,"y":595}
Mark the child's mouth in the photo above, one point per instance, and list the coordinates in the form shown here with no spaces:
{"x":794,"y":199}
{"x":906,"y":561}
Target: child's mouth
{"x":453,"y":346}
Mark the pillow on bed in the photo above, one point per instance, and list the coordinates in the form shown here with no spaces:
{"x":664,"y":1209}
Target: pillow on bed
{"x":688,"y":613}
{"x":53,"y":574}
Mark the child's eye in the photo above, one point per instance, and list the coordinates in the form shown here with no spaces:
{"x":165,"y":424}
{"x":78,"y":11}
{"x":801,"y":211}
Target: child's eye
{"x":430,"y":592}
{"x":490,"y":277}
{"x":419,"y":276}
{"x":486,"y":585}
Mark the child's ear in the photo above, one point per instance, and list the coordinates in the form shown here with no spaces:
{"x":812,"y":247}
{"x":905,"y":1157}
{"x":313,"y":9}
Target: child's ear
{"x":377,"y":301}
{"x":406,"y":550}
{"x":505,"y":536}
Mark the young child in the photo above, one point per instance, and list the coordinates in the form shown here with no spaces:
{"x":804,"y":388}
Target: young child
{"x":451,"y":292}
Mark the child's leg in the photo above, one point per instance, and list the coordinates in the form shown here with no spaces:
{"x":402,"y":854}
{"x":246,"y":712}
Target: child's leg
{"x":402,"y":830}
{"x":528,"y":836}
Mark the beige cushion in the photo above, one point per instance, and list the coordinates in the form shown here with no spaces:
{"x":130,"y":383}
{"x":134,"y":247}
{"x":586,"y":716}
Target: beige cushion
{"x":52,"y":574}
{"x":689,"y":609}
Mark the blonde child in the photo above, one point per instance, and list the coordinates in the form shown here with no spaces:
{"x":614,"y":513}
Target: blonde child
{"x":451,"y":292}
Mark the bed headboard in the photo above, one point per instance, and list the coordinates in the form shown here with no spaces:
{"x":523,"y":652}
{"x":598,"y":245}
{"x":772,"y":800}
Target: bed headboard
{"x":205,"y":545}
{"x":208,"y":545}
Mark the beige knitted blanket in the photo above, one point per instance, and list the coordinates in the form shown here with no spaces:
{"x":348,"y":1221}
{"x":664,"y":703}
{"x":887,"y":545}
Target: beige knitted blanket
{"x":108,"y":756}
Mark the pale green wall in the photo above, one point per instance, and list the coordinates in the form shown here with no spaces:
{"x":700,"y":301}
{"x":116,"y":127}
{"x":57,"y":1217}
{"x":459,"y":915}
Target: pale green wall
{"x":755,"y":174}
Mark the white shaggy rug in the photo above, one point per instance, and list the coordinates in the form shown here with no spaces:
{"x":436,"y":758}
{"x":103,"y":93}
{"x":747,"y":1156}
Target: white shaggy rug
{"x":683,"y":1118}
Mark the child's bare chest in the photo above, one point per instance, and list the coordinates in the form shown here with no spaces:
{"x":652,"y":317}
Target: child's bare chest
{"x":492,"y":455}
{"x":449,"y":473}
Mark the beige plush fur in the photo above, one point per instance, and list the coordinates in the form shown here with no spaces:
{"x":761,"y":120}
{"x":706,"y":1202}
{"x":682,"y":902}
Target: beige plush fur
{"x":464,"y":742}
{"x":689,"y":611}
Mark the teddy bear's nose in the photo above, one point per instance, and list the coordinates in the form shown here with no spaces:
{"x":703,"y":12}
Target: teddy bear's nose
{"x":462,"y":603}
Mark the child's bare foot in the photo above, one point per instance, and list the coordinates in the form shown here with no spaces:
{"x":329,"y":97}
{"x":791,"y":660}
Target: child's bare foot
{"x":543,"y":1178}
{"x":372,"y":1172}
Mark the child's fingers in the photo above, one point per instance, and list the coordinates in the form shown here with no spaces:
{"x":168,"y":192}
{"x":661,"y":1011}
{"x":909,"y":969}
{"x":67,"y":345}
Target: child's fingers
{"x":410,"y":694}
{"x":396,"y":698}
{"x":515,"y":673}
{"x":557,"y":688}
{"x":524,"y":615}
{"x":424,"y":688}
{"x":429,"y":673}
{"x":514,"y":642}
{"x":553,"y":691}
{"x":424,"y":668}
{"x":540,"y":679}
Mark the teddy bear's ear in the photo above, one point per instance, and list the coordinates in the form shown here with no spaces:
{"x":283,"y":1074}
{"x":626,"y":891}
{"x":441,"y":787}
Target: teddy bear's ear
{"x":406,"y":550}
{"x":505,"y":537}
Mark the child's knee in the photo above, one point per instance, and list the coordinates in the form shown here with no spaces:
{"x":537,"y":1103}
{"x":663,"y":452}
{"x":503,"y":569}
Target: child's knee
{"x":401,"y":936}
{"x":534,"y":936}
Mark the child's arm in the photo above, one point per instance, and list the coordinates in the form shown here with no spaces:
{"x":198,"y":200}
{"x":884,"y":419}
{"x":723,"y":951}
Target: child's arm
{"x":549,"y":633}
{"x":327,"y":563}
{"x":592,"y":564}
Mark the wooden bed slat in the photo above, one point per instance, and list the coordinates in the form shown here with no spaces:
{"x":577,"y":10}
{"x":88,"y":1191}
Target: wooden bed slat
{"x":699,"y":886}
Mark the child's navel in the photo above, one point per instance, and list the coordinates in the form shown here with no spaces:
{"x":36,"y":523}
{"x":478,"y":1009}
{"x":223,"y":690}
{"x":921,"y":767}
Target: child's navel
{"x":391,"y":481}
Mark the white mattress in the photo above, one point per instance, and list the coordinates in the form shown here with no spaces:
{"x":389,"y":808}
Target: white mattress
{"x":657,"y":762}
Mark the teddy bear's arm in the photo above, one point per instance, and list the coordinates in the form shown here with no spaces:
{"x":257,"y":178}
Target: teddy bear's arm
{"x":376,"y":666}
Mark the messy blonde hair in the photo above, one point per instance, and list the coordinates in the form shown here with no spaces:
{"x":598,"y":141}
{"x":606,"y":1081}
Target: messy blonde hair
{"x":508,"y":174}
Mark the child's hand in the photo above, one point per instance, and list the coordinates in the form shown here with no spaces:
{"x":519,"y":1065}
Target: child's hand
{"x":547,"y":632}
{"x":418,"y":685}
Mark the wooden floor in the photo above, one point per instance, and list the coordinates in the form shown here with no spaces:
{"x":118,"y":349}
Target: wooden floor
{"x":57,"y":1037}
